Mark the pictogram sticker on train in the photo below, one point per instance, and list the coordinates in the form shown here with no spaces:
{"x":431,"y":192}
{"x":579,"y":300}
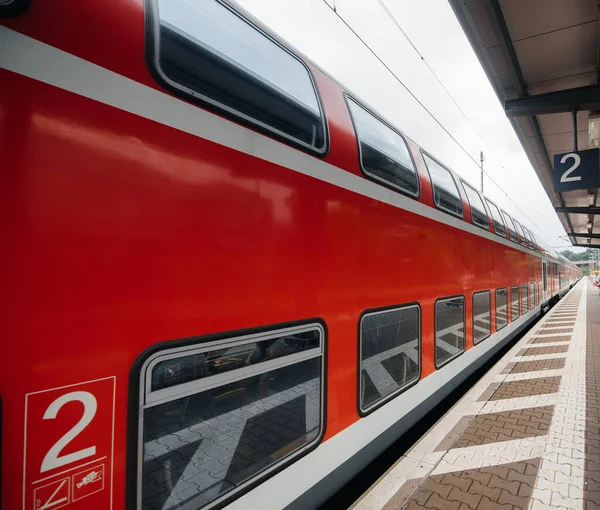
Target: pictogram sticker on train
{"x":53,"y":495}
{"x":88,"y":482}
{"x":68,"y":450}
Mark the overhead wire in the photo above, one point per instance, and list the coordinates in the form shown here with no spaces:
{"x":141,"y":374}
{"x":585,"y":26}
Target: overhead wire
{"x":449,"y":94}
{"x":397,"y":78}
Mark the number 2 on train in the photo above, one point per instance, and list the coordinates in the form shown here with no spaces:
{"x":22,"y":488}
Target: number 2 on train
{"x":52,"y":459}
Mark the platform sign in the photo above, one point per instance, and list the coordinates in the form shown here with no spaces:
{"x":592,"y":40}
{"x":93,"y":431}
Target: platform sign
{"x":69,"y":437}
{"x":577,"y":170}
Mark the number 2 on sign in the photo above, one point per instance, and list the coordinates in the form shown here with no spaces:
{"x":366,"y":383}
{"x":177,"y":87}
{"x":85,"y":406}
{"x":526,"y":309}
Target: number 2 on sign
{"x":577,"y":161}
{"x":90,"y":405}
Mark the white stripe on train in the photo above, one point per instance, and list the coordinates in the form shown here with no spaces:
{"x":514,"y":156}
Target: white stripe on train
{"x":45,"y":63}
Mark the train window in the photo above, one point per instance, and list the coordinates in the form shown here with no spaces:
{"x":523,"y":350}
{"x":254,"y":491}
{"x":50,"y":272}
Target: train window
{"x":479,"y":215}
{"x":519,"y":230}
{"x":499,"y":227}
{"x":524,"y":306}
{"x":482,"y":316}
{"x":527,"y":237}
{"x":532,"y":240}
{"x":207,"y":52}
{"x":532,"y":243}
{"x":501,"y":308}
{"x":449,"y":329}
{"x":531,"y":296}
{"x":389,"y":353}
{"x":544,"y":274}
{"x":522,"y":233}
{"x":512,"y":234}
{"x":216,"y":416}
{"x":384,"y":155}
{"x":514,"y":303}
{"x":445,"y":192}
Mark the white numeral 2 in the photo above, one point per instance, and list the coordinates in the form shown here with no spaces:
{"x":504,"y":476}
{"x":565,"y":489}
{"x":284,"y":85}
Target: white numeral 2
{"x":565,"y":177}
{"x":52,"y":459}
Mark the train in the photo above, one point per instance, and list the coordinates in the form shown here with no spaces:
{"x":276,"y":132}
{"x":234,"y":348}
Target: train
{"x":229,"y":281}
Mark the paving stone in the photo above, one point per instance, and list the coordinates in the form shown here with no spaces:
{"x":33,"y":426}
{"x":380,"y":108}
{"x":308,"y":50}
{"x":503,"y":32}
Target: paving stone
{"x":537,"y":365}
{"x":526,"y":388}
{"x":540,"y":351}
{"x":555,"y":331}
{"x":550,"y":339}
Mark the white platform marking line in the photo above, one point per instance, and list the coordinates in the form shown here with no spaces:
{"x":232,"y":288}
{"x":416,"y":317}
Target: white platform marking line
{"x":510,"y":404}
{"x":538,"y":357}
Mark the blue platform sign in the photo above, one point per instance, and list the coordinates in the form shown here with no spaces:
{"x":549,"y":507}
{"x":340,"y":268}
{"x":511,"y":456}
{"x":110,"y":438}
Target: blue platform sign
{"x":577,"y":170}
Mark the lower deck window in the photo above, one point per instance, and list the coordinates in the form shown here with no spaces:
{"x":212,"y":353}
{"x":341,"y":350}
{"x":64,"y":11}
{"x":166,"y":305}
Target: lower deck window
{"x":389,"y":353}
{"x":449,"y":329}
{"x":216,"y":416}
{"x":501,"y":308}
{"x":532,"y":302}
{"x":524,"y":306}
{"x":482,"y":316}
{"x":514,"y":303}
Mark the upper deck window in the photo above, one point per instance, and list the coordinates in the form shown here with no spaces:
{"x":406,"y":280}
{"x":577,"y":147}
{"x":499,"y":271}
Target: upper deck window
{"x":384,"y":155}
{"x":445,"y":191}
{"x":512,"y":234}
{"x":530,"y":238}
{"x":479,"y":215}
{"x":522,"y":234}
{"x":533,"y":240}
{"x":208,"y":52}
{"x":519,"y":229}
{"x":498,"y":224}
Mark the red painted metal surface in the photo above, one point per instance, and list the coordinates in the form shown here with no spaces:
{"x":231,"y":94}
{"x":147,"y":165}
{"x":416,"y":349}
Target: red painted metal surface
{"x":120,"y":232}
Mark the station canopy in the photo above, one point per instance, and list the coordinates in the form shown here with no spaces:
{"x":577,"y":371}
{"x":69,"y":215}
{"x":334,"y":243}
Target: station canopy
{"x":541,"y":57}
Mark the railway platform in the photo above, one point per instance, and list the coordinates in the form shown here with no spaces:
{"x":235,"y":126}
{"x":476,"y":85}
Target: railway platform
{"x":526,"y":436}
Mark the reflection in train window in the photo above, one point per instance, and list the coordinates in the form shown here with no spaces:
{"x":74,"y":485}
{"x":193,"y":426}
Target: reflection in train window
{"x":512,"y":234}
{"x":482,"y":316}
{"x":449,"y":329}
{"x":445,"y":191}
{"x":524,"y":305}
{"x":499,"y":227}
{"x":383,"y":152}
{"x":519,"y":228}
{"x":479,"y":215}
{"x":531,"y":296}
{"x":501,"y":308}
{"x":389,"y":353}
{"x":208,"y":52}
{"x":218,"y":415}
{"x":514,"y":303}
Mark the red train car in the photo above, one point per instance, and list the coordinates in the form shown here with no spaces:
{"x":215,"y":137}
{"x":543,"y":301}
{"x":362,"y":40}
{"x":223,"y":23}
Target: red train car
{"x":228,"y":281}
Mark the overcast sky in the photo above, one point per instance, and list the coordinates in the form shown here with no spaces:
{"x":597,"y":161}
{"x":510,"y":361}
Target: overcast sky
{"x":314,"y":29}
